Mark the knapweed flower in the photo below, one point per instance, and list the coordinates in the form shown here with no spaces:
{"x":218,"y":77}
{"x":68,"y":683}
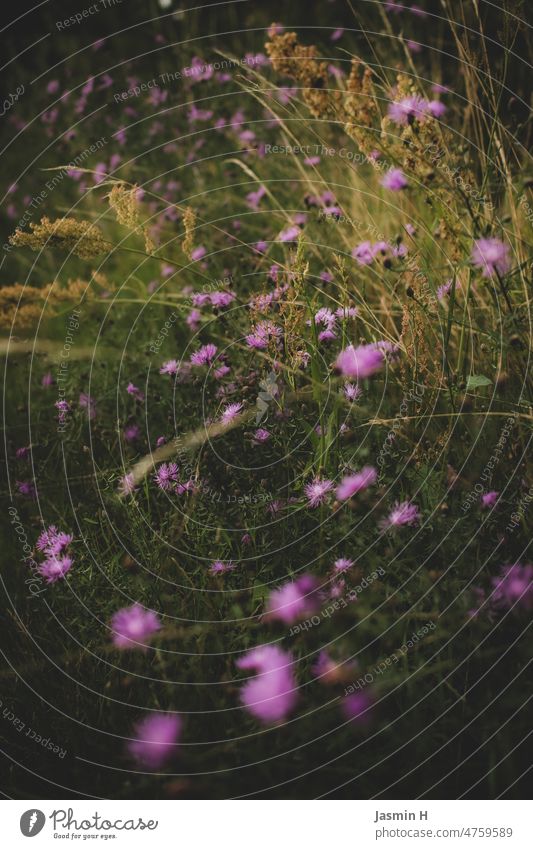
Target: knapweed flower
{"x":132,"y":432}
{"x":342,"y":564}
{"x":55,"y":567}
{"x":402,"y":513}
{"x":408,"y":109}
{"x":290,"y":234}
{"x":231,"y":412}
{"x":220,"y":300}
{"x":357,"y":706}
{"x":166,"y":476}
{"x":294,"y":600}
{"x":156,"y":739}
{"x":88,"y":403}
{"x":352,"y":484}
{"x":360,"y":362}
{"x":262,"y":333}
{"x":489,"y":499}
{"x":219,"y":567}
{"x":127,"y":484}
{"x":170,"y":367}
{"x":394,"y":180}
{"x":317,"y":491}
{"x":134,"y":626}
{"x":492,"y":256}
{"x":205,"y":355}
{"x":135,"y":392}
{"x":261,"y":435}
{"x":26,"y":488}
{"x":52,"y":541}
{"x":514,"y":586}
{"x":47,"y":379}
{"x":352,"y":391}
{"x":272,"y":695}
{"x":330,"y":671}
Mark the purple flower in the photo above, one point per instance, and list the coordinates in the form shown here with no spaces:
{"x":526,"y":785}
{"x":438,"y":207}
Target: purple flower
{"x":54,"y":568}
{"x":272,"y":695}
{"x":436,"y":108}
{"x":26,"y":488}
{"x":402,"y":513}
{"x":132,"y":432}
{"x":204,"y":356}
{"x":290,"y":234}
{"x":47,"y":379}
{"x":166,"y":476}
{"x":127,"y":484}
{"x":231,"y":412}
{"x":294,"y":600}
{"x":342,"y":564}
{"x":156,"y":739}
{"x":133,"y":627}
{"x":170,"y":367}
{"x":52,"y":541}
{"x":219,"y":300}
{"x":489,"y":499}
{"x":219,"y":567}
{"x":133,"y":390}
{"x":352,"y":484}
{"x":360,"y":362}
{"x":408,"y":109}
{"x":261,"y":435}
{"x":357,"y":706}
{"x":395,"y":180}
{"x":88,"y":403}
{"x":317,"y":491}
{"x":514,"y":586}
{"x":352,"y":392}
{"x":492,"y":256}
{"x":363,"y":253}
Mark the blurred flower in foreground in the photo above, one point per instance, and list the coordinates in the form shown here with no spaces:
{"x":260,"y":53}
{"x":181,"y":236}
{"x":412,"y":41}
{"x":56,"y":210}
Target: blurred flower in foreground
{"x":360,"y":362}
{"x":514,"y":586}
{"x":395,"y":180}
{"x":352,"y":484}
{"x":402,"y":513}
{"x":156,"y":739}
{"x":272,"y":695}
{"x":492,"y":256}
{"x":294,"y":600}
{"x":133,"y":625}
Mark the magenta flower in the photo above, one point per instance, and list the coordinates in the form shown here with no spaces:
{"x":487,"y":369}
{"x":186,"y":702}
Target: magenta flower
{"x":54,"y":568}
{"x":363,"y":253}
{"x":316,"y":492}
{"x":88,"y":403}
{"x":492,"y":256}
{"x":294,"y":600}
{"x":170,"y":367}
{"x":132,"y":432}
{"x":204,"y":356}
{"x":360,"y":362}
{"x":402,"y":513}
{"x":436,"y":108}
{"x":26,"y":488}
{"x":394,"y":179}
{"x":135,"y":392}
{"x":352,"y":391}
{"x":353,"y":484}
{"x":272,"y":695}
{"x":156,"y":739}
{"x":231,"y":412}
{"x":127,"y":484}
{"x":166,"y":476}
{"x":342,"y":564}
{"x":261,"y":435}
{"x":219,"y":567}
{"x":52,"y":541}
{"x":133,"y":627}
{"x":357,"y":706}
{"x":514,"y":586}
{"x":220,"y":300}
{"x":408,"y":109}
{"x":47,"y":379}
{"x":489,"y":499}
{"x":290,"y":234}
{"x":199,"y":252}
